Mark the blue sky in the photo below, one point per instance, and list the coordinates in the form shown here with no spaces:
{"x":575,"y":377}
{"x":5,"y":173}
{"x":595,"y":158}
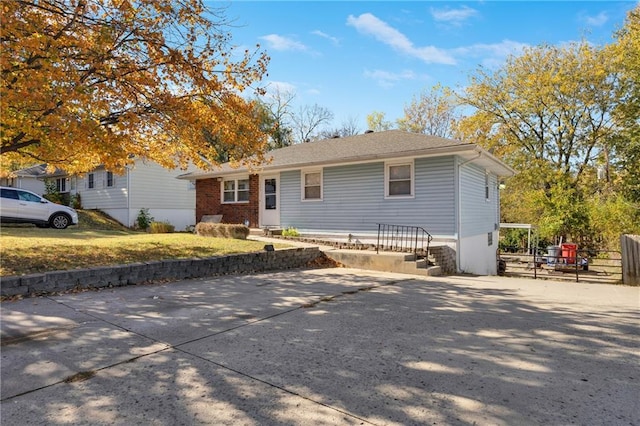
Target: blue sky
{"x":358,"y":57}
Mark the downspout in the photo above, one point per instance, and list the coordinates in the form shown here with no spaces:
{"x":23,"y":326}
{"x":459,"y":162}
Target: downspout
{"x":128,"y":197}
{"x":459,"y":209}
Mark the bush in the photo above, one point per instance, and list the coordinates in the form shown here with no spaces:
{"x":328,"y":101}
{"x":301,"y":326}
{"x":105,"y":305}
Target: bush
{"x":144,"y":219}
{"x":222,"y":230}
{"x":161,"y":228}
{"x":290,"y":232}
{"x":76,"y":202}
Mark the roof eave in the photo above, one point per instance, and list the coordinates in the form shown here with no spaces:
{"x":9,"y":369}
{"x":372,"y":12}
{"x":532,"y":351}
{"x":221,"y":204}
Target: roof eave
{"x":430,"y":152}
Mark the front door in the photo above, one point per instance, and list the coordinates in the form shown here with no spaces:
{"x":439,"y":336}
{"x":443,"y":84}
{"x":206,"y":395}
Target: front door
{"x":270,"y":201}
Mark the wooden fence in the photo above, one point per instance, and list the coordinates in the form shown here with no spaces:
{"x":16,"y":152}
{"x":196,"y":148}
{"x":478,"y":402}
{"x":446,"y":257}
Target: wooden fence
{"x":630,"y":247}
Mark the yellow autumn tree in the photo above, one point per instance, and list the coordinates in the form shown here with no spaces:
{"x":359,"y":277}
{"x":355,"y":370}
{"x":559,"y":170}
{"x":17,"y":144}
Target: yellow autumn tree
{"x":89,"y":82}
{"x":433,"y":112}
{"x":549,"y":113}
{"x":626,"y":53}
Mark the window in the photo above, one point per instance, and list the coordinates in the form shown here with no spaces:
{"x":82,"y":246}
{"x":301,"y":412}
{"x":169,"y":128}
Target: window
{"x":110,"y":179}
{"x":486,"y":186}
{"x":27,"y":196}
{"x":235,"y":191}
{"x":10,"y":193}
{"x":91,"y":181}
{"x":61,"y":185}
{"x":312,"y":185}
{"x":399,"y":180}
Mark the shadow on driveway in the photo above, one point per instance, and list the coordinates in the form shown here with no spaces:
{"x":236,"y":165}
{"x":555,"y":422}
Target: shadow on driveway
{"x":331,"y":346}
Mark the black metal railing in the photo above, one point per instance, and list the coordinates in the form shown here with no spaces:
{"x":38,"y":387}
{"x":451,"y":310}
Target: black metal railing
{"x":403,"y":238}
{"x":584,"y":265}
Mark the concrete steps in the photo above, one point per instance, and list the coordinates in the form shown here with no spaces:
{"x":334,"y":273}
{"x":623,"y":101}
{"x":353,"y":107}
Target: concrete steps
{"x":362,"y":257}
{"x":385,"y":262}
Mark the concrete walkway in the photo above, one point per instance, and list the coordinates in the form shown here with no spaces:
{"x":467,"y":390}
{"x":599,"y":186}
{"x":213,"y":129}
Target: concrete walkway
{"x":325,"y":347}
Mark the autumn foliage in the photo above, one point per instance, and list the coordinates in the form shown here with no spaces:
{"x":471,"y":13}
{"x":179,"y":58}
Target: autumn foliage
{"x":89,"y":82}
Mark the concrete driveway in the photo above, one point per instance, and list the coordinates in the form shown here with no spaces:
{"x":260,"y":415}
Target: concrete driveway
{"x":325,"y":347}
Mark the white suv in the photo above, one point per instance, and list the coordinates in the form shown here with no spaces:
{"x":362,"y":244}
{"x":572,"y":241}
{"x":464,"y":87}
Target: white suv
{"x":21,"y":206}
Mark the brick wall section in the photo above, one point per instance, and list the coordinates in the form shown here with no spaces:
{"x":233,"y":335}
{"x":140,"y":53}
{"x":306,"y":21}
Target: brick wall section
{"x":207,"y":198}
{"x":208,"y":202}
{"x":445,"y":257}
{"x":137,"y":273}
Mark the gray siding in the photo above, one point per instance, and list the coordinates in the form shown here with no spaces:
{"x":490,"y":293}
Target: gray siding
{"x":102,"y":196}
{"x":154,"y":187}
{"x":353,"y":199}
{"x":478,"y":215}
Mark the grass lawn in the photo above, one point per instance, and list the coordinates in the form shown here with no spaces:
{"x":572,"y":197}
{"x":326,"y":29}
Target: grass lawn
{"x":96,"y":241}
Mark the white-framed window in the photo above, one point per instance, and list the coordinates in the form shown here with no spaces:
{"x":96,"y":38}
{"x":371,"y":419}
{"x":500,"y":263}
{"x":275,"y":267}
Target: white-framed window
{"x":61,"y":184}
{"x":235,"y":190}
{"x":399,"y":180}
{"x":111,"y":181}
{"x":311,"y":185}
{"x":91,"y":180}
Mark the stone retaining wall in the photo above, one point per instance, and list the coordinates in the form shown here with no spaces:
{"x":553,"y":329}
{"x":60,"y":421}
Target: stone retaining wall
{"x":137,"y":273}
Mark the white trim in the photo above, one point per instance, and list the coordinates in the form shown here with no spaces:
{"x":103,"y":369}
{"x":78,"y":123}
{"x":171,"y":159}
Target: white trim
{"x":303,"y":173}
{"x":387,"y":166}
{"x":465,"y":152}
{"x":235,"y":189}
{"x":271,"y":217}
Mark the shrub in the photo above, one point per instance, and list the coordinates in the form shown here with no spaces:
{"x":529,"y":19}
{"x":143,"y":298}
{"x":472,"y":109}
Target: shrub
{"x":144,"y":219}
{"x":51,"y":192}
{"x":290,"y":232}
{"x":161,"y":228}
{"x":76,"y":202}
{"x":222,"y":230}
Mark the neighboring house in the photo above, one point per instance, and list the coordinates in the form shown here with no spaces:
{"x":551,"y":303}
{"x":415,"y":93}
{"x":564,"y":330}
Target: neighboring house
{"x":348,"y":185}
{"x":32,"y":179}
{"x":143,"y":185}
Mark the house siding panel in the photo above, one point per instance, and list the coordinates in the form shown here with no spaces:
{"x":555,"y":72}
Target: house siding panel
{"x":353,"y":199}
{"x":103,"y":197}
{"x":168,"y":192}
{"x":478,"y":215}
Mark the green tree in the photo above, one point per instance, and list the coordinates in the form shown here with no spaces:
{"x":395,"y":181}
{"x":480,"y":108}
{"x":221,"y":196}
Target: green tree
{"x":550,"y":114}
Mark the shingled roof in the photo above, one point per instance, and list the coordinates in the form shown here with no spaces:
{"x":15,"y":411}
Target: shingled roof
{"x":373,"y":146}
{"x":39,"y":171}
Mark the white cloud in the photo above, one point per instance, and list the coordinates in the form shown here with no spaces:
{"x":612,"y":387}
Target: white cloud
{"x":595,"y":21}
{"x":388,"y":79}
{"x":275,"y":87}
{"x":370,"y":25}
{"x":453,"y":16}
{"x":492,"y":55}
{"x":278,"y":42}
{"x":319,"y":33}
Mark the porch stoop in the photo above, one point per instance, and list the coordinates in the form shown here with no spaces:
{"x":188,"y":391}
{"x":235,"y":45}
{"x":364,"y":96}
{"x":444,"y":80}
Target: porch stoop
{"x":384,"y":261}
{"x":363,"y":257}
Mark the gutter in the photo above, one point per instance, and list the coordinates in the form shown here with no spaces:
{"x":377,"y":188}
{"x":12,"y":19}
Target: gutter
{"x":421,"y":153}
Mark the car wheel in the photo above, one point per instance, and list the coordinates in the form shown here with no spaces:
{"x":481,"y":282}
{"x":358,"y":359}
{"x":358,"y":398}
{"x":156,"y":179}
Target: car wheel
{"x":59,"y":221}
